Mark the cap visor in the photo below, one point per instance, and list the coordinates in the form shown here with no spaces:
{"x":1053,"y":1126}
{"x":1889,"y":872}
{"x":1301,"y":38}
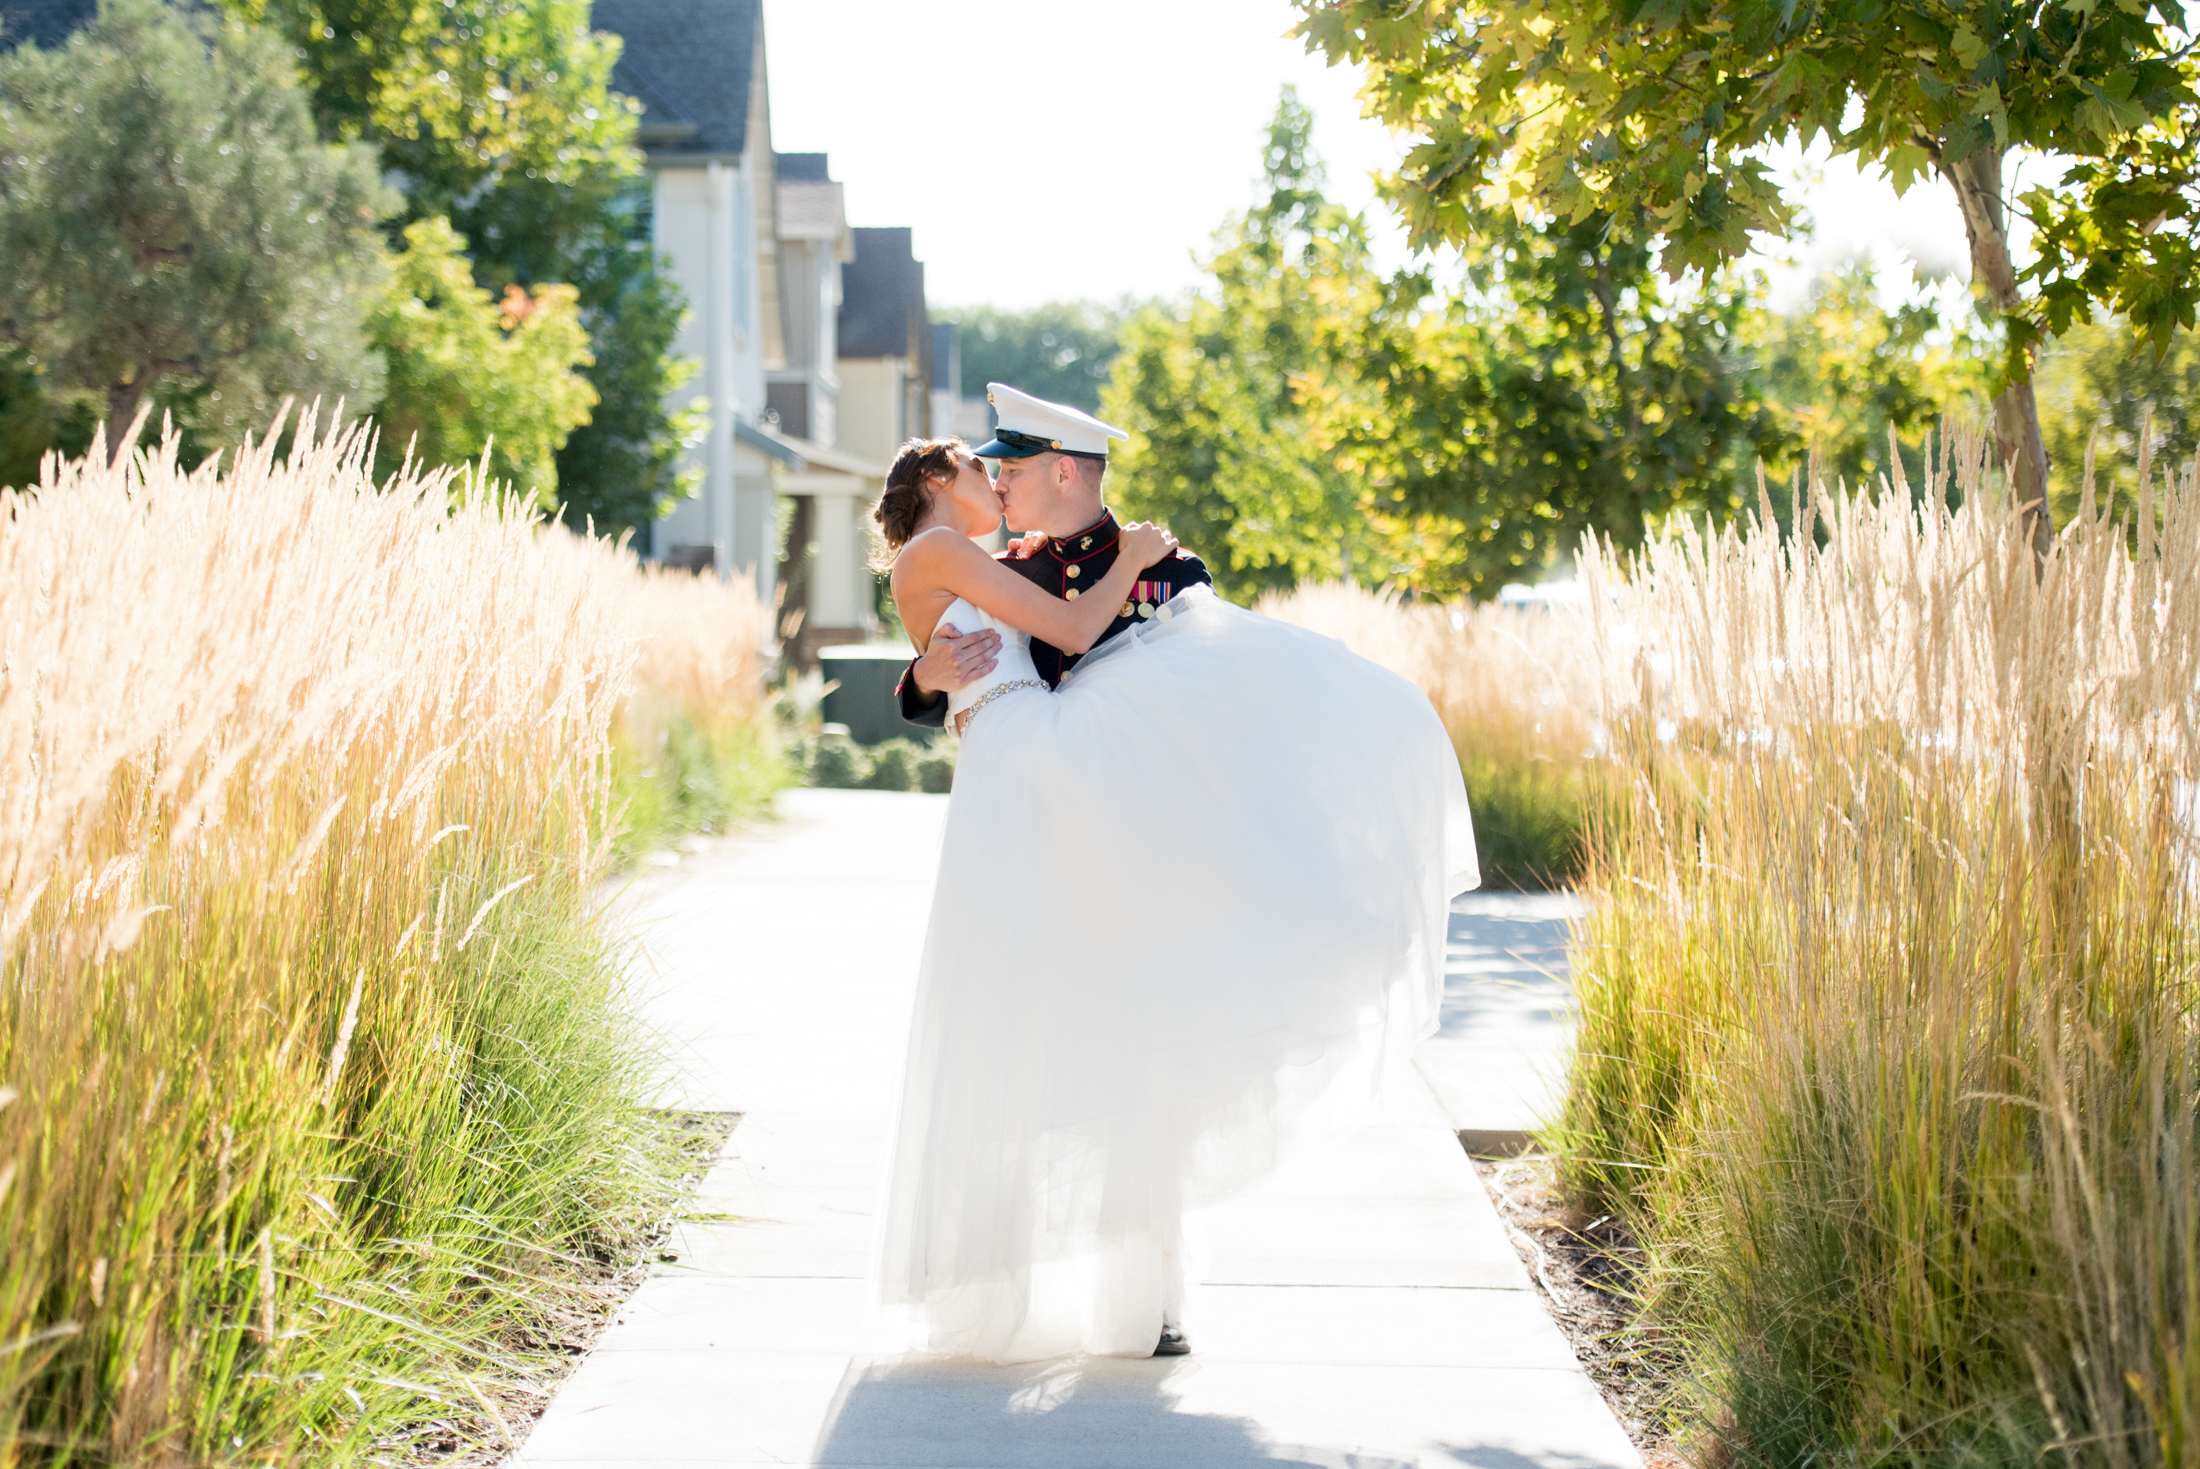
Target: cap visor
{"x":995,"y":449}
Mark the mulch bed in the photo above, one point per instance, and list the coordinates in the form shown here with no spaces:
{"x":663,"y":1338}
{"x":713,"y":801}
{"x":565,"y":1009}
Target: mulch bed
{"x":1586,"y":1269}
{"x":483,"y":1432}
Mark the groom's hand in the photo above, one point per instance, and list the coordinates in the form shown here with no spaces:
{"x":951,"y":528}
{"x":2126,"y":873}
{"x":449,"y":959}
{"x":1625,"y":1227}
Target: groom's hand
{"x":953,"y":660}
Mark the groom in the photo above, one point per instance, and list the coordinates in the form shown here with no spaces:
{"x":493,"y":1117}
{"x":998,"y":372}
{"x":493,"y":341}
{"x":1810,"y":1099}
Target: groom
{"x":1049,"y":460}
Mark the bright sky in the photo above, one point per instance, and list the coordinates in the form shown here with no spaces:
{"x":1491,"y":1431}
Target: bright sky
{"x":1140,"y":122}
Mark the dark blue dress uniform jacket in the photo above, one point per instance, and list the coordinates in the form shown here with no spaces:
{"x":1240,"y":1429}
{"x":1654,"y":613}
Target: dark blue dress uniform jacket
{"x":1060,"y":566}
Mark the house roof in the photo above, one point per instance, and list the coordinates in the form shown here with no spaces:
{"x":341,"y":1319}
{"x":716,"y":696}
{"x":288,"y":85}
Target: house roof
{"x":882,"y":297}
{"x":43,"y":23}
{"x":769,"y":444}
{"x":689,"y":63}
{"x":822,"y":461}
{"x":803,"y":168}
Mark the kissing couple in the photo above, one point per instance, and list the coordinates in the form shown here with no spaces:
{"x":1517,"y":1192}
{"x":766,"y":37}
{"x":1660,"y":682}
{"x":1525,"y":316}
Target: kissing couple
{"x":1192,"y":901}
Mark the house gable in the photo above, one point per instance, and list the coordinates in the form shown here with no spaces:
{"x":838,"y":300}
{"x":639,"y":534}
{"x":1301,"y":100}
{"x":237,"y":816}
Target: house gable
{"x":42,"y":23}
{"x":691,"y":64}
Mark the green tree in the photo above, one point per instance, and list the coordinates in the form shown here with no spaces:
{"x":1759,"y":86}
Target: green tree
{"x":1843,"y":369}
{"x":1560,"y":387}
{"x":2098,"y":377}
{"x":459,"y":96}
{"x":622,"y":468}
{"x":1219,"y":447}
{"x":1061,"y":351}
{"x":172,"y":226}
{"x":498,"y":115}
{"x":34,"y":422}
{"x":1306,"y":418}
{"x":469,"y":372}
{"x":1657,"y":117}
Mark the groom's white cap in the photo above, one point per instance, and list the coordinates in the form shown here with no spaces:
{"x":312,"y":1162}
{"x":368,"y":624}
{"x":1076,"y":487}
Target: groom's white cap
{"x":1031,"y":426}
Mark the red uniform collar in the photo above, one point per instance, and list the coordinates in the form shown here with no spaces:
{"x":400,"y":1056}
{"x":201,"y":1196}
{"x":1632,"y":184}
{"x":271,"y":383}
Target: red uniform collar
{"x":1090,"y":541}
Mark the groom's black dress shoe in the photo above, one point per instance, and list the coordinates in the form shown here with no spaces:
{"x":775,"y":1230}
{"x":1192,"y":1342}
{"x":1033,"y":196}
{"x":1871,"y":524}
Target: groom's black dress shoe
{"x":1173,"y":1344}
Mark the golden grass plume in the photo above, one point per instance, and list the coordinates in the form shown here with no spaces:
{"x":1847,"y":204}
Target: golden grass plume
{"x":1887,"y":983}
{"x":312,"y":1058}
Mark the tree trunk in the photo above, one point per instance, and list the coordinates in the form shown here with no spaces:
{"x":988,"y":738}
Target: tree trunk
{"x":794,"y":580}
{"x":1977,"y":182}
{"x":1627,"y":529}
{"x":122,"y":411}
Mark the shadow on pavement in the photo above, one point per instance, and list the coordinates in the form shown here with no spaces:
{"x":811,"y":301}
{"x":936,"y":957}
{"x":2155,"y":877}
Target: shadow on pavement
{"x":1097,"y":1413}
{"x":1507,"y":965}
{"x":1483,"y":1456}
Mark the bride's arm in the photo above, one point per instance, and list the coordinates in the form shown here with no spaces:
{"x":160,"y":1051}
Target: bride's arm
{"x":943,"y":559}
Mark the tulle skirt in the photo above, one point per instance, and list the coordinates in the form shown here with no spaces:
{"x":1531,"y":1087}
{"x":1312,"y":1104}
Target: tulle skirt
{"x":1190,"y":906}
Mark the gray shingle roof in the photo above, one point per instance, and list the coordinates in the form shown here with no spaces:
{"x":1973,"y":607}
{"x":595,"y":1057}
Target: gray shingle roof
{"x":806,"y":168}
{"x":882,"y":297}
{"x":689,"y":63}
{"x":43,"y":23}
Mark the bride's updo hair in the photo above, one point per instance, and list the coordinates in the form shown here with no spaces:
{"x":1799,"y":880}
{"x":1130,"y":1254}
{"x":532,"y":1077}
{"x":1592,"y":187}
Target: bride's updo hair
{"x":922,"y":466}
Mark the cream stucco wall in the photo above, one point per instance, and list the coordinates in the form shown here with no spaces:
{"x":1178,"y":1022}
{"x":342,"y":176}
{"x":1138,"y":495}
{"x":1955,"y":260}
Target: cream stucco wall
{"x":713,"y":220}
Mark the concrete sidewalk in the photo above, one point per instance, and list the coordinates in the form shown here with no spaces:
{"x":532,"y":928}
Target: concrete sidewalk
{"x":1498,"y":1062}
{"x":1365,"y":1311}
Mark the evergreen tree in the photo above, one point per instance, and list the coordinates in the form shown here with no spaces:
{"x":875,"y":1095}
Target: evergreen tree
{"x":175,"y":233}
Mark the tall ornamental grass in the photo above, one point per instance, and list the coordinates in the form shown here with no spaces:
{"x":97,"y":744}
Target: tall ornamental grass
{"x":1516,"y":689}
{"x":1887,"y":990}
{"x":315,"y":1081}
{"x":695,"y":744}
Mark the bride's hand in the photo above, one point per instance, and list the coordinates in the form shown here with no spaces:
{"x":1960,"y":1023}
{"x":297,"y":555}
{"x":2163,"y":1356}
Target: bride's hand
{"x":1145,"y":543}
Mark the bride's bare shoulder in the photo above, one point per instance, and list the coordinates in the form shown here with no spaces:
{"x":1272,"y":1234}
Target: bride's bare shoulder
{"x":928,"y":555}
{"x":935,"y":543}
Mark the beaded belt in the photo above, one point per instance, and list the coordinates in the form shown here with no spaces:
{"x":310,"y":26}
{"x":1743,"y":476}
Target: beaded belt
{"x":962,"y":720}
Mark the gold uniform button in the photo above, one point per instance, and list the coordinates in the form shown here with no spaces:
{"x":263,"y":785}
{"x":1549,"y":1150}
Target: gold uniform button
{"x":1145,"y":609}
{"x":1072,"y":572}
{"x":1071,"y":594}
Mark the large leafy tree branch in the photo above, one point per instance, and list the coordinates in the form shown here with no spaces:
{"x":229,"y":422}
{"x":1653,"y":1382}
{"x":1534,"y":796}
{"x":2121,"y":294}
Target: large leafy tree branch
{"x":1655,"y":115}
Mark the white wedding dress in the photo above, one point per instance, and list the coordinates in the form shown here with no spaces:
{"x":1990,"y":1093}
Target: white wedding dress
{"x":1189,"y":908}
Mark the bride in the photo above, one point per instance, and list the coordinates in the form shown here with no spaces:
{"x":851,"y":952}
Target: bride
{"x":1189,"y":907}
